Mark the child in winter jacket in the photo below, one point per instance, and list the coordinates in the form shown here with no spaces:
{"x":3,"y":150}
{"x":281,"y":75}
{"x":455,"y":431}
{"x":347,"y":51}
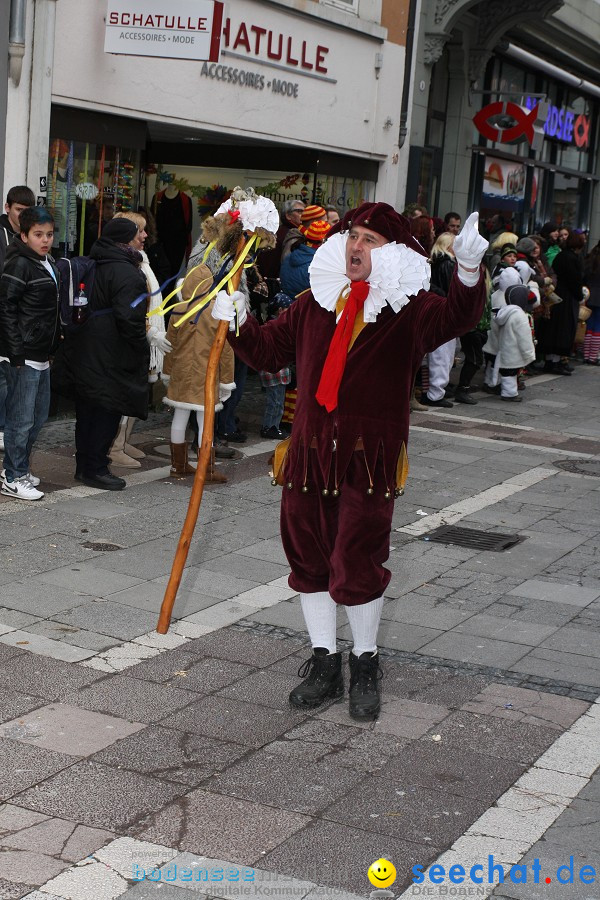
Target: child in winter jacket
{"x":29,"y":335}
{"x":510,"y":342}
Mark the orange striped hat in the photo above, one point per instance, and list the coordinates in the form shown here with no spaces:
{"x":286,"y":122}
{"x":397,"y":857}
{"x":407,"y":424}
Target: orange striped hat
{"x":316,"y":232}
{"x":310,"y":213}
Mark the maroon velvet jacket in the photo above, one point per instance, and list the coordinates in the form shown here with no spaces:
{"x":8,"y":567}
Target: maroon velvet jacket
{"x":374,"y":396}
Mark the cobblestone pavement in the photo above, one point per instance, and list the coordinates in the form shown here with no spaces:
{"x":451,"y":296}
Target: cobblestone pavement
{"x":136,"y":764}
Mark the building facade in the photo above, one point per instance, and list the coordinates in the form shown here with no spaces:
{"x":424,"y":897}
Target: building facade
{"x":301,"y":100}
{"x":505,"y":113}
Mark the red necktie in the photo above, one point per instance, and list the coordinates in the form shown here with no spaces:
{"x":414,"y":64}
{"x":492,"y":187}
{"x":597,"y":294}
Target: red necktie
{"x":335,"y":363}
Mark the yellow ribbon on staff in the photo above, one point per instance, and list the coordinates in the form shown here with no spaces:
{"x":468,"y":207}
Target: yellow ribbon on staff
{"x":164,"y":308}
{"x":206,"y":300}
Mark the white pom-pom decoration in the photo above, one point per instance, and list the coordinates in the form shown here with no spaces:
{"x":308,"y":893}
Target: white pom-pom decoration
{"x":256,"y":212}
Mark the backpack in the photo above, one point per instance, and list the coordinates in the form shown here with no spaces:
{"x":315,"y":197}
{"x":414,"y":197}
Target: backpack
{"x":73,"y":272}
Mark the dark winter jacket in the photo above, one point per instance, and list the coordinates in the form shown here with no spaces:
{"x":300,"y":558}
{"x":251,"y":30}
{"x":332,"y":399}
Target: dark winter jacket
{"x":6,"y":236}
{"x":108,"y":359}
{"x":442,"y":270}
{"x":294,"y":270}
{"x":29,"y":306}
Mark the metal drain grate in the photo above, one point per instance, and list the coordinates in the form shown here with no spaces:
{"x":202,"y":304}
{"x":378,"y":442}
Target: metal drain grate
{"x":101,"y":546}
{"x":475,"y":540}
{"x":579,"y":466}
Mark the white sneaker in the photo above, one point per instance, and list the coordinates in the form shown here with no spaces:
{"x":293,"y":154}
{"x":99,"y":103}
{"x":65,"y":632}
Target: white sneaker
{"x":21,"y":489}
{"x":33,"y":479}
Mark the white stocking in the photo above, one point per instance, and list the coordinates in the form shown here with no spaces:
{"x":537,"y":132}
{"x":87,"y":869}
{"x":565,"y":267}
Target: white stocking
{"x":364,"y":624}
{"x":319,"y":612}
{"x":179,"y":425}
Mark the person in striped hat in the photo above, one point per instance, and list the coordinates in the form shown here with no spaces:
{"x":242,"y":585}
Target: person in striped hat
{"x":294,"y":268}
{"x":358,"y":337}
{"x":295,"y":236}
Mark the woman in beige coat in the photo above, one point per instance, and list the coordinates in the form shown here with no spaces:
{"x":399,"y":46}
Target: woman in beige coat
{"x":184,"y":370}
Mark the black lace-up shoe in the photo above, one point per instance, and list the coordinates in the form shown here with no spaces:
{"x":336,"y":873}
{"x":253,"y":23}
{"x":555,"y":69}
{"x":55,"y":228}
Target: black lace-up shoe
{"x":365,"y":676}
{"x":323,"y":679}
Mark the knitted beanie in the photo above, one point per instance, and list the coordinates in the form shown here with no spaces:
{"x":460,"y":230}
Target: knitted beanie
{"x":310,"y":213}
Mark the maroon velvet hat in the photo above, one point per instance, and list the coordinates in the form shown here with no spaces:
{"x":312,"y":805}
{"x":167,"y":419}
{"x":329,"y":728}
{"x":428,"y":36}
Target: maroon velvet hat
{"x":382,"y":218}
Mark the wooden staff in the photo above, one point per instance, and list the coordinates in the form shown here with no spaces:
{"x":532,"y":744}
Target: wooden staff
{"x":187,"y":532}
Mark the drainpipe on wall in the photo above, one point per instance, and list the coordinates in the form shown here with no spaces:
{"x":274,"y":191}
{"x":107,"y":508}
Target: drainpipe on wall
{"x":16,"y":40}
{"x":408,"y":59}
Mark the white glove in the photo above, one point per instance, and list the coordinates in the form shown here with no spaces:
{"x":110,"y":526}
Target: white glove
{"x":225,"y":391}
{"x":157,"y":338}
{"x":226,"y":305}
{"x":469,"y":248}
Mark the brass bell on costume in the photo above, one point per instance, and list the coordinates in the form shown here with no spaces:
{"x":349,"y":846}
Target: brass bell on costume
{"x":398,"y":492}
{"x":304,"y":489}
{"x":274,"y":482}
{"x":370,"y":491}
{"x":325,"y":492}
{"x":388,"y":495}
{"x":335,"y":493}
{"x":289,"y":485}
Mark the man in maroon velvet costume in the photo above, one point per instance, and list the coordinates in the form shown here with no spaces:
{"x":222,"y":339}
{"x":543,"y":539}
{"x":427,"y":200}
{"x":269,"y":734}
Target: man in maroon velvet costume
{"x":355,"y":366}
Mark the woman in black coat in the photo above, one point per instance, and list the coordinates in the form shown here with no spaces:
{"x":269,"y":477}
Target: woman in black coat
{"x":559,"y":333}
{"x":109,"y":357}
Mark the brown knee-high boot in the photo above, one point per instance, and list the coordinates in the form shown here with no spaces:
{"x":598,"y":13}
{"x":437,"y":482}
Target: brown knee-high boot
{"x":179,"y":460}
{"x":181,"y":467}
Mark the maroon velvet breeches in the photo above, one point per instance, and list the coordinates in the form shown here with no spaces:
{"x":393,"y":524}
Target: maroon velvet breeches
{"x":338,"y":544}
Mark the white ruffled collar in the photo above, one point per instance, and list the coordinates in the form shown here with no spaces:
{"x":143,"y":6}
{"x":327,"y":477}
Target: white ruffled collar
{"x":397,"y":274}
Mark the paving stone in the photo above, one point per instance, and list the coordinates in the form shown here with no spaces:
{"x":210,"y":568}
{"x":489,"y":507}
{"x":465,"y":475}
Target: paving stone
{"x":22,"y":766}
{"x":29,"y":598}
{"x":475,"y":649}
{"x":43,"y":553}
{"x":269,"y":550}
{"x":28,"y":867}
{"x":409,"y":680}
{"x":98,"y":796}
{"x":68,"y":729}
{"x":121,"y":695}
{"x":392,"y":807}
{"x":267,"y":688}
{"x":551,"y":859}
{"x":121,"y":853}
{"x":215,"y":584}
{"x":243,"y":646}
{"x":397,"y":635}
{"x":44,"y":646}
{"x":494,"y":737}
{"x":229,"y":720}
{"x":559,"y":593}
{"x":149,"y":595}
{"x":15,"y":619}
{"x":302,"y":855}
{"x":43,"y":677}
{"x":96,"y":509}
{"x":13,"y":891}
{"x":577,"y":827}
{"x":110,"y":618}
{"x":498,"y":628}
{"x":171,"y":755}
{"x":13,"y":704}
{"x":285,"y":783}
{"x":287,"y":614}
{"x":530,"y":557}
{"x":557,"y":666}
{"x":59,"y":838}
{"x":422,"y":611}
{"x":67,"y":634}
{"x":454,"y":691}
{"x":205,"y":823}
{"x":246,"y":567}
{"x":524,"y":705}
{"x":87,"y":579}
{"x":570,"y":639}
{"x":368,"y":751}
{"x":92,"y":880}
{"x":453,"y":770}
{"x":13,"y":818}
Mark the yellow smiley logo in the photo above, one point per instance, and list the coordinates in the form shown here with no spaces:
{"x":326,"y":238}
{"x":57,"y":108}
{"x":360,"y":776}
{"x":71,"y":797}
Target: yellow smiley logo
{"x":382,"y":873}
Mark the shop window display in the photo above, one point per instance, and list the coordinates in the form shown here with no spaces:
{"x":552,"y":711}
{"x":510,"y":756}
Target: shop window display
{"x":87,"y":184}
